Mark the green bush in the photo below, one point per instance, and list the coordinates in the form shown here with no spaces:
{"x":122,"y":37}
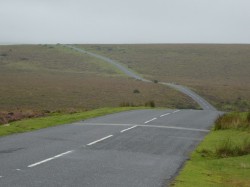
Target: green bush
{"x":136,"y":91}
{"x":150,"y":104}
{"x":155,"y":81}
{"x":248,"y":117}
{"x":4,"y":54}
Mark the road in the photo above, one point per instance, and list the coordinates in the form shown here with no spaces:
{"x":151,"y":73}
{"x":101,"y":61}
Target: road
{"x":205,"y":105}
{"x":136,"y":149}
{"x":119,"y":66}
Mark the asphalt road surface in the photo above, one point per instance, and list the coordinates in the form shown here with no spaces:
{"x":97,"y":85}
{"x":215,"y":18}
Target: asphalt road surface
{"x":131,"y":149}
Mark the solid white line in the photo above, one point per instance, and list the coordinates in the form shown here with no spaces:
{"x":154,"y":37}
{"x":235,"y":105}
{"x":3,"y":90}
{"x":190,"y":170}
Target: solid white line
{"x":176,"y":128}
{"x":164,"y":114}
{"x":92,"y":143}
{"x":128,"y":129}
{"x":108,"y":124}
{"x":150,"y":120}
{"x":176,"y":111}
{"x":49,"y":159}
{"x":151,"y":126}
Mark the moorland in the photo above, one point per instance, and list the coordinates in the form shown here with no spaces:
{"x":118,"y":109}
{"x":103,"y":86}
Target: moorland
{"x":42,"y":79}
{"x":218,"y":72}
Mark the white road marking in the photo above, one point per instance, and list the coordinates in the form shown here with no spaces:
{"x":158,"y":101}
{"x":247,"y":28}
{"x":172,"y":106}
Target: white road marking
{"x":128,"y":129}
{"x":151,"y":126}
{"x":176,"y":111}
{"x":1,"y":176}
{"x":164,"y":114}
{"x":150,"y":120}
{"x":107,"y":124}
{"x":18,"y":169}
{"x":176,"y":128}
{"x":49,"y":159}
{"x":92,"y":143}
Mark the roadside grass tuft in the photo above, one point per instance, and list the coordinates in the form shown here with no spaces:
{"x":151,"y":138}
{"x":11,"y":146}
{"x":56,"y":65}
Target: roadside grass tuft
{"x":227,"y":148}
{"x":233,"y":120}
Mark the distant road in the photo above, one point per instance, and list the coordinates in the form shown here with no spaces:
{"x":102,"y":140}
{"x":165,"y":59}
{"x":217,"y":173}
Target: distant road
{"x":205,"y":105}
{"x":143,"y":148}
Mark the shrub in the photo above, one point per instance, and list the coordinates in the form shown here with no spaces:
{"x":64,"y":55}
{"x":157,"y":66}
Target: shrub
{"x":136,"y":91}
{"x":155,"y":81}
{"x":4,"y":54}
{"x":24,"y":59}
{"x":150,"y":104}
{"x":248,"y":117}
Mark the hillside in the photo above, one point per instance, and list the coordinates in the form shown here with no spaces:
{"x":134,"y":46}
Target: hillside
{"x":55,"y":78}
{"x":220,"y":73}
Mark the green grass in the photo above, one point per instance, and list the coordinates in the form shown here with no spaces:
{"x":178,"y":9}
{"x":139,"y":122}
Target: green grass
{"x":222,"y":159}
{"x":57,"y":119}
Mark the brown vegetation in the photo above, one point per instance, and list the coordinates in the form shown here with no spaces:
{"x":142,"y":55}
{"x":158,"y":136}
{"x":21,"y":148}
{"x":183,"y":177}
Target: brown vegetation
{"x":53,"y":78}
{"x":233,"y":121}
{"x":218,"y":72}
{"x":7,"y":117}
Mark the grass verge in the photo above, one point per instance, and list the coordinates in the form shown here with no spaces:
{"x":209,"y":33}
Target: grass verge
{"x":57,"y":119}
{"x":222,"y":159}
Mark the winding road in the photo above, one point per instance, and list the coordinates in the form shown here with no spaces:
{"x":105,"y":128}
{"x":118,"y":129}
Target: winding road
{"x":142,"y":148}
{"x":130,"y":73}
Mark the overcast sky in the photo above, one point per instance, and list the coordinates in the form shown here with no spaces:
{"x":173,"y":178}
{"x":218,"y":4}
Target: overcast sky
{"x":124,"y":21}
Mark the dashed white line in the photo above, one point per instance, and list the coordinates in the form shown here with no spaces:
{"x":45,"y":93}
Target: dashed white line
{"x":164,"y":114}
{"x":92,"y":143}
{"x":49,"y":159}
{"x":176,"y":111}
{"x":128,"y":129}
{"x":1,"y":176}
{"x":150,"y":120}
{"x":18,"y":169}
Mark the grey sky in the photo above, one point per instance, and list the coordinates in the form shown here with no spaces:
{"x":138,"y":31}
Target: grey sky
{"x":124,"y":21}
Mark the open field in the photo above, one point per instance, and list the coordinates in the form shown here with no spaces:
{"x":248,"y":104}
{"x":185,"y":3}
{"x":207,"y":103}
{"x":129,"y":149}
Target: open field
{"x":55,"y":78}
{"x":223,"y":158}
{"x":220,"y":73}
{"x":50,"y":58}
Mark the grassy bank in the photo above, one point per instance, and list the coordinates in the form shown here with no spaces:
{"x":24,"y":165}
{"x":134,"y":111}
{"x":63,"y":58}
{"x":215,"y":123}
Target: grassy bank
{"x":57,"y":119}
{"x":223,"y":158}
